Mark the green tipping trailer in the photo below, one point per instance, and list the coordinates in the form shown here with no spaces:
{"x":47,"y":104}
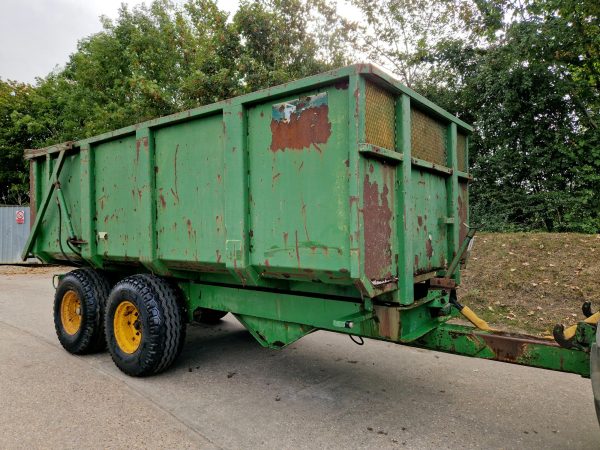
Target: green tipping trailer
{"x":338,"y":202}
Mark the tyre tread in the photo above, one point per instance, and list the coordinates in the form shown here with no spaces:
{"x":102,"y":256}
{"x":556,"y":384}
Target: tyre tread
{"x":95,"y":289}
{"x":164,"y":305}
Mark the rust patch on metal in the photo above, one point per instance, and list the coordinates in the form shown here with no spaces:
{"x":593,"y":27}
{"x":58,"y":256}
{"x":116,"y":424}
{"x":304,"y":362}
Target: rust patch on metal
{"x":297,"y":250}
{"x":176,"y":191}
{"x":505,"y":347}
{"x":389,"y":322}
{"x":420,"y":221}
{"x":286,"y":275}
{"x":377,"y":217}
{"x":138,"y":143}
{"x":303,"y":212}
{"x":175,"y":195}
{"x":442,"y":283}
{"x":300,"y":123}
{"x":274,"y":178}
{"x":429,"y":248}
{"x":190,"y":230}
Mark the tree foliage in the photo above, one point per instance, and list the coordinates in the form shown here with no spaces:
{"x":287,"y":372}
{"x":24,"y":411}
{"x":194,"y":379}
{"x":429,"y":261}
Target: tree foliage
{"x":401,"y":34}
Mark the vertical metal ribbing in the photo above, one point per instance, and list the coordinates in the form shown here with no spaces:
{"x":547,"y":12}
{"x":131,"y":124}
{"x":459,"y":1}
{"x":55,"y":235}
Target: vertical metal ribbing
{"x":355,"y":132}
{"x":88,"y":205}
{"x":146,"y":183}
{"x":405,"y":293}
{"x":236,"y":212}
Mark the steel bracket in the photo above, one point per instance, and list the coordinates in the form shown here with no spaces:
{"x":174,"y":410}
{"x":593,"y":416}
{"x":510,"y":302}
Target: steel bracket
{"x":351,"y":320}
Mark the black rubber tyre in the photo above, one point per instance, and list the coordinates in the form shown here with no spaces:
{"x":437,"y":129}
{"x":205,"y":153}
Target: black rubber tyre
{"x":161,"y":322}
{"x":208,"y":316}
{"x":91,"y":289}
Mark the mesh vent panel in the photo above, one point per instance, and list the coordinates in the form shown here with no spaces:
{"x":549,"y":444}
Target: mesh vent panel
{"x":428,"y":138}
{"x":380,"y":120}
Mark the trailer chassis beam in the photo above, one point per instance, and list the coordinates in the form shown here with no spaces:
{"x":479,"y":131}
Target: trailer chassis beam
{"x":506,"y":347}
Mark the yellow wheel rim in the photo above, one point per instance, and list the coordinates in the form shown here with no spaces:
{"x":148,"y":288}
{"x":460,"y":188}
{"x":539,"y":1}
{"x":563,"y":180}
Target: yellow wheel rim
{"x":127,"y":326}
{"x":70,"y":312}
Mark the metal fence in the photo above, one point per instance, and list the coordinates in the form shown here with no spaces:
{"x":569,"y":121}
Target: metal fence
{"x":14,"y":230}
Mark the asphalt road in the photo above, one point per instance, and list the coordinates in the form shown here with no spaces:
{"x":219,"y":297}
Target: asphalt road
{"x":225,"y":391}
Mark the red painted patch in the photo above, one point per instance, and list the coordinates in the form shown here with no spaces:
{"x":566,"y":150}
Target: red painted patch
{"x":310,"y":127}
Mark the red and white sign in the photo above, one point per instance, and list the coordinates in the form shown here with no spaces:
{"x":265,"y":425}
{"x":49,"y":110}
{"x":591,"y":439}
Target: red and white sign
{"x":20,"y":216}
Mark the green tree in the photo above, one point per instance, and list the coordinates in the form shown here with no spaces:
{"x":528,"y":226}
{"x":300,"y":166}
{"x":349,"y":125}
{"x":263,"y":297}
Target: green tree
{"x":401,"y":34}
{"x":289,"y":39}
{"x":14,"y":133}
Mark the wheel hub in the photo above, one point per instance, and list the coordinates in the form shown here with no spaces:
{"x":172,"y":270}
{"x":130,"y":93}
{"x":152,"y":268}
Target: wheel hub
{"x":127,"y":327}
{"x":70,"y":312}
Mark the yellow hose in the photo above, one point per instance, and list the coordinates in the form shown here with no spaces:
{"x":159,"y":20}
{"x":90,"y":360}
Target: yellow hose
{"x":475,"y":319}
{"x":569,"y":333}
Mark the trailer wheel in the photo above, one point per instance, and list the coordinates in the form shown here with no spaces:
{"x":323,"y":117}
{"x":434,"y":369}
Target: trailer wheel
{"x":145,"y":327}
{"x":595,"y":371}
{"x":78,"y":311}
{"x":208,"y":316}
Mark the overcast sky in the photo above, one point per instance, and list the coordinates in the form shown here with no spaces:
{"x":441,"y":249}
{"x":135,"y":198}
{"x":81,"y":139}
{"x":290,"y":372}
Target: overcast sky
{"x":37,"y":35}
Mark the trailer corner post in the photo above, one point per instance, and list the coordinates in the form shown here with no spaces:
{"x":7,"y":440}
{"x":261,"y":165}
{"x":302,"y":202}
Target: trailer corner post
{"x":146,"y":186}
{"x":406,"y":222}
{"x":236,"y":212}
{"x":453,"y":210}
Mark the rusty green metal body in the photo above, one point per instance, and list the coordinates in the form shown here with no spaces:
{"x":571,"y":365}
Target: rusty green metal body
{"x":336,"y":202}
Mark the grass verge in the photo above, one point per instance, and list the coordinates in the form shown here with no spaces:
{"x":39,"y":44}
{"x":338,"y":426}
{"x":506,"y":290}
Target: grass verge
{"x":528,"y":282}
